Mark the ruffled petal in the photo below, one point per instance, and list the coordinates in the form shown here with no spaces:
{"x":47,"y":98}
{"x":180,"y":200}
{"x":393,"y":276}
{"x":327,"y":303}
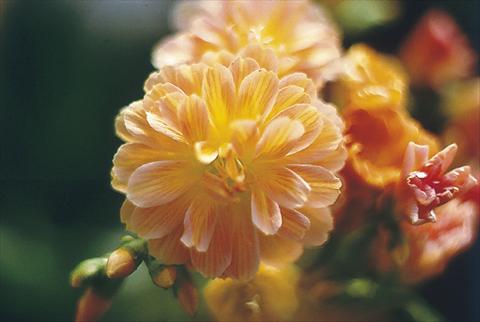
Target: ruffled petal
{"x":289,"y":96}
{"x":241,"y":67}
{"x":193,"y":119}
{"x":200,"y":221}
{"x":279,"y":138}
{"x":294,"y":224}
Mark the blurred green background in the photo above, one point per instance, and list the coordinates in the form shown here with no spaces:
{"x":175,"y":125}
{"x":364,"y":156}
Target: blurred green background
{"x":66,"y":68}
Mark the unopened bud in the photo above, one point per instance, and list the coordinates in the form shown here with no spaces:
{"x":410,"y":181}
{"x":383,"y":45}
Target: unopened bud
{"x":87,"y":271}
{"x":166,"y":277}
{"x":121,"y":263}
{"x":91,"y":306}
{"x":188,"y":297}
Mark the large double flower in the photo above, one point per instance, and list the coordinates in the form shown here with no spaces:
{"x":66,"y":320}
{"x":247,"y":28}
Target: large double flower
{"x":227,"y":165}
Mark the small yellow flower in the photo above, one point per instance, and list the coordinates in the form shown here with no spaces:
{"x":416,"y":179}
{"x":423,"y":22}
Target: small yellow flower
{"x":298,"y":31}
{"x":223,"y":166}
{"x":270,"y":296}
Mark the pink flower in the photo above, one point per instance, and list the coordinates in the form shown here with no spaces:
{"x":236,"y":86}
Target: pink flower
{"x":425,"y":185}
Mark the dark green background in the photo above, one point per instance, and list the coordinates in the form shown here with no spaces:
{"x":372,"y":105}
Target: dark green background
{"x":66,"y":67}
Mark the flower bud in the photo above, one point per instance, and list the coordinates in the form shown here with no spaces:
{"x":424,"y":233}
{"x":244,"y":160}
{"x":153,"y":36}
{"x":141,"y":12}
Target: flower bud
{"x":187,"y":295}
{"x":121,"y":263}
{"x":87,"y":271}
{"x":165,"y":277}
{"x":91,"y":306}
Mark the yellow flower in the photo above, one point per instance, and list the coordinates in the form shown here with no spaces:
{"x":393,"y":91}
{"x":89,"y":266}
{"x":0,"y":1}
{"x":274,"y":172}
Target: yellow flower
{"x":298,"y":31}
{"x":227,"y":165}
{"x":270,"y":296}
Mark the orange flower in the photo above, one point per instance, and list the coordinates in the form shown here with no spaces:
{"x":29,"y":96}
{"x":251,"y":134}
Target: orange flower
{"x":429,"y":248}
{"x":376,"y":141}
{"x":425,"y":185}
{"x":436,"y":51}
{"x":370,"y":80}
{"x":227,"y":165}
{"x":298,"y":32}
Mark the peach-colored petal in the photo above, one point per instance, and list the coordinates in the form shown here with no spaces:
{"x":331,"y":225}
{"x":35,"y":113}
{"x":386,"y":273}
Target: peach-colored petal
{"x":294,"y":224}
{"x":174,"y":50}
{"x":218,"y":257}
{"x":265,"y":213}
{"x":288,"y":96}
{"x":126,"y":210}
{"x":120,"y":128}
{"x":160,"y":125}
{"x":219,"y":94}
{"x":156,"y":222}
{"x":278,"y":251}
{"x":311,"y":121}
{"x":321,"y":223}
{"x":193,"y":119}
{"x":264,"y":56}
{"x":244,"y":136}
{"x":324,"y":184}
{"x":415,"y":156}
{"x":284,"y":186}
{"x":443,"y":159}
{"x":241,"y":67}
{"x":257,"y":94}
{"x":128,"y":158}
{"x":335,"y":160}
{"x":279,"y":138}
{"x":200,"y":221}
{"x":245,"y":248}
{"x":158,"y":183}
{"x":300,"y":80}
{"x":169,"y":249}
{"x":205,"y":152}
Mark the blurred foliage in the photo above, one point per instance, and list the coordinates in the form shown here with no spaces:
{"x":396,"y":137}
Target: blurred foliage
{"x":66,"y":67}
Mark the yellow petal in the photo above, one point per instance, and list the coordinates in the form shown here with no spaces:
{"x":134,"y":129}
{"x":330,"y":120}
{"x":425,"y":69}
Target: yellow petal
{"x":204,"y":152}
{"x":219,"y":94}
{"x":265,"y":213}
{"x":257,"y":94}
{"x":241,"y":67}
{"x":324,"y":184}
{"x":244,"y":136}
{"x":193,"y":119}
{"x":245,"y":249}
{"x":294,"y":224}
{"x":156,"y":222}
{"x":278,"y":251}
{"x":169,"y":249}
{"x":284,"y":186}
{"x":200,"y":221}
{"x":120,"y":128}
{"x":158,"y":183}
{"x":279,"y":138}
{"x":218,"y":257}
{"x":321,"y":223}
{"x":128,"y":158}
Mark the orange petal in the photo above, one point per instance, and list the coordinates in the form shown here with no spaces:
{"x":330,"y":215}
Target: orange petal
{"x":265,"y":213}
{"x":158,"y":183}
{"x":169,"y":249}
{"x":128,"y":158}
{"x":294,"y":224}
{"x":279,"y":138}
{"x":321,"y":223}
{"x":245,"y":249}
{"x":156,"y":222}
{"x":219,"y":94}
{"x":241,"y":67}
{"x":200,"y":221}
{"x":278,"y":251}
{"x":193,"y":119}
{"x":218,"y":257}
{"x":324,"y":184}
{"x":257,"y":94}
{"x":284,"y":186}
